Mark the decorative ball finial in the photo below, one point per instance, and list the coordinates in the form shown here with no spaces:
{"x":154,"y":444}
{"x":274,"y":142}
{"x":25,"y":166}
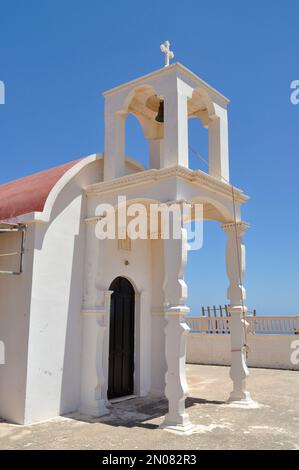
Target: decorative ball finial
{"x":165,"y":48}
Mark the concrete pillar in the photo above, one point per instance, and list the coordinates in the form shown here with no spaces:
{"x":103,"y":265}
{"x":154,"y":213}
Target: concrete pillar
{"x":156,"y":152}
{"x":143,"y":340}
{"x":114,"y":155}
{"x":235,"y":265}
{"x":218,"y":145}
{"x":94,"y":363}
{"x":175,"y":151}
{"x":176,"y":330}
{"x":91,"y":261}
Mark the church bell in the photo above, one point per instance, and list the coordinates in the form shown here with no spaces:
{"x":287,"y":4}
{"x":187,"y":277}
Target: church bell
{"x":160,"y":115}
{"x":156,"y":103}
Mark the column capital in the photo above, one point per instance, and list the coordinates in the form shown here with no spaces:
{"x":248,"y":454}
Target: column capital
{"x":178,"y":202}
{"x":230,"y":227}
{"x":176,"y":310}
{"x":237,"y":310}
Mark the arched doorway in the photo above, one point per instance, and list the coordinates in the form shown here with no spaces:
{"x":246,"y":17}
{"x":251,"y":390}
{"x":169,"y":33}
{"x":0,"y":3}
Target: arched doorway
{"x":121,"y":339}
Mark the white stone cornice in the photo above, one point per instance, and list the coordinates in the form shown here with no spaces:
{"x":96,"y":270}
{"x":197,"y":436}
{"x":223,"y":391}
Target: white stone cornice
{"x":230,"y":227}
{"x":165,"y":71}
{"x":180,"y":202}
{"x":176,"y":310}
{"x":196,"y":177}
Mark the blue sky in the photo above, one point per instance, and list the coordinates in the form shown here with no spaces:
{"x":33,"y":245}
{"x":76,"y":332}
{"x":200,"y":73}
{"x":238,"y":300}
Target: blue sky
{"x":56,"y":57}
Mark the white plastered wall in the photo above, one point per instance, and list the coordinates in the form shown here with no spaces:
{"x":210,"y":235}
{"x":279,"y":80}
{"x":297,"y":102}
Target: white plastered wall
{"x":53,"y":375}
{"x":40,"y":311}
{"x":272,"y":351}
{"x":15,"y":295}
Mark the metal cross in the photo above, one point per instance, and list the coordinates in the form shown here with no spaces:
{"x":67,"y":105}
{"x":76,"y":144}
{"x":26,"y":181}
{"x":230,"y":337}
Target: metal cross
{"x":165,"y":48}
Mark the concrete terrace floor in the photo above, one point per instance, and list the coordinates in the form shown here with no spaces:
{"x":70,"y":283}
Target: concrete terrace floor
{"x":133,"y":424}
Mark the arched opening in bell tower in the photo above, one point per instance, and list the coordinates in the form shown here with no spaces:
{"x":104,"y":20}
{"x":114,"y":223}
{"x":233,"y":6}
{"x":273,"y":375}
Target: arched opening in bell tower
{"x":206,"y":257}
{"x":144,"y":126}
{"x":198,"y":145}
{"x":136,"y":146}
{"x":200,"y":115}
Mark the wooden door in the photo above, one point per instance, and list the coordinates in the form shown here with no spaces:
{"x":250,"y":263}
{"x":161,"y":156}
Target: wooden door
{"x":121,"y":340}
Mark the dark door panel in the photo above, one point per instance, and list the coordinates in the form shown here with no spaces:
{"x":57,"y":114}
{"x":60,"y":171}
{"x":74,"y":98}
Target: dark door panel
{"x":121,"y":341}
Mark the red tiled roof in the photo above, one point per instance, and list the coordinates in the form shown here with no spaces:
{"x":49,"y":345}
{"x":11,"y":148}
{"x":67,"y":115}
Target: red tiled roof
{"x":29,"y":194}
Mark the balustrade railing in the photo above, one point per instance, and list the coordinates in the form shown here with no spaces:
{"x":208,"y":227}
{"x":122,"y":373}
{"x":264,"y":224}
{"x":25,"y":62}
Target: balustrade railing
{"x":257,"y":325}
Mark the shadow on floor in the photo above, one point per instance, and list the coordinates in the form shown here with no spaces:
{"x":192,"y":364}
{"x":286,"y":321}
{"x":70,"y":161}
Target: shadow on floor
{"x":138,"y":412}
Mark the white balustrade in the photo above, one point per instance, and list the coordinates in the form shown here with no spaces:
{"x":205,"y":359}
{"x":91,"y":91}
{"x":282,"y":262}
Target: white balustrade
{"x":260,"y":324}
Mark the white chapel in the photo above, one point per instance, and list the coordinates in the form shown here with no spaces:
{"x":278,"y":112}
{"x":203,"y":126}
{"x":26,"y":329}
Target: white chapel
{"x":85,"y":321}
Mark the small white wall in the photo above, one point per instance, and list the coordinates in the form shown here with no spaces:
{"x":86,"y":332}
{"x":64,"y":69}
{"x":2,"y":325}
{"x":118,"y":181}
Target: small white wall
{"x":15,"y":295}
{"x":40,"y":311}
{"x":53,"y":378}
{"x":266,"y":351}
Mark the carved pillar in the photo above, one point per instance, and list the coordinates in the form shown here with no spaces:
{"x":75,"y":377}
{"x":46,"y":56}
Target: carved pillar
{"x":176,"y":330}
{"x":235,"y":265}
{"x":94,"y":364}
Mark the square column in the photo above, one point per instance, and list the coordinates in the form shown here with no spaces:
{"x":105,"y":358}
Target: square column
{"x":175,"y":149}
{"x":235,"y":265}
{"x":114,"y":155}
{"x":218,"y":145}
{"x":156,"y":152}
{"x":176,"y":330}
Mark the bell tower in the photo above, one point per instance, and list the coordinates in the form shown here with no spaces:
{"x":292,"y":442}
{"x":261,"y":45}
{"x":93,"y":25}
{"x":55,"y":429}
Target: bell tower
{"x":162,"y":102}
